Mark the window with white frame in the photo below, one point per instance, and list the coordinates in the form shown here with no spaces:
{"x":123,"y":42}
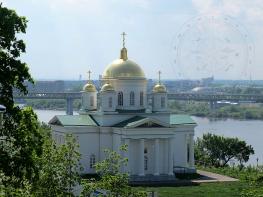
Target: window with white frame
{"x":141,"y":98}
{"x":132,"y":98}
{"x":92,"y":161}
{"x":162,"y":102}
{"x":145,"y":163}
{"x":188,"y":152}
{"x":92,"y":101}
{"x":120,"y":99}
{"x":110,"y":102}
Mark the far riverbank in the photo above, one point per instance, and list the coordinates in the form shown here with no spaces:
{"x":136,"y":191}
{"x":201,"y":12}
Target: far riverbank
{"x":251,"y":111}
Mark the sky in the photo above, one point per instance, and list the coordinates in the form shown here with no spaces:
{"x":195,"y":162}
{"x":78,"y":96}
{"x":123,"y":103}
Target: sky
{"x":185,"y":39}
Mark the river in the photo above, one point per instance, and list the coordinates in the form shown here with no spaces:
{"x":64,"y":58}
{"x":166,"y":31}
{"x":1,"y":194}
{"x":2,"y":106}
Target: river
{"x":249,"y":130}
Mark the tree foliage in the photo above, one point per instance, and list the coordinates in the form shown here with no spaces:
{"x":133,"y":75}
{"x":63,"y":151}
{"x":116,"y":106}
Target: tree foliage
{"x":9,"y":190}
{"x":19,"y":149}
{"x":59,"y":168}
{"x":20,"y":136}
{"x":13,"y":71}
{"x":111,"y":177}
{"x":217,"y":150}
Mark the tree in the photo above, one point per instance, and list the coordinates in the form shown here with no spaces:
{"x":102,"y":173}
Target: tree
{"x":13,"y":71}
{"x":9,"y":190}
{"x":20,"y":136}
{"x":111,"y":178}
{"x":20,"y":146}
{"x":217,"y":150}
{"x":59,"y":168}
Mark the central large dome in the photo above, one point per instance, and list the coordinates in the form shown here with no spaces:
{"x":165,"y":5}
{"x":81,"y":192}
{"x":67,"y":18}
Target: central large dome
{"x":123,"y":69}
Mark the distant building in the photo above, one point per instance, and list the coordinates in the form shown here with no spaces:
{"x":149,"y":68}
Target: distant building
{"x":207,"y":81}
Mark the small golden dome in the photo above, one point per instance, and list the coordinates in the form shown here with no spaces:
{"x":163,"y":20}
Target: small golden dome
{"x":107,"y":87}
{"x":123,"y":69}
{"x":89,"y":87}
{"x":159,"y":88}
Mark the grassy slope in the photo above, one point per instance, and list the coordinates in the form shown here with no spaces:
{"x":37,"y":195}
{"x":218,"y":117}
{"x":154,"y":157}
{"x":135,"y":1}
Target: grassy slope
{"x":227,"y":189}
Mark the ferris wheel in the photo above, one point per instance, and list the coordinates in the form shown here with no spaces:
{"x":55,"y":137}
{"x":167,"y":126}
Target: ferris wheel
{"x":212,"y":46}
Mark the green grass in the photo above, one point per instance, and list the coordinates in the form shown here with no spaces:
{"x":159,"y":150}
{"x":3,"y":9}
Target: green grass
{"x":226,"y":189}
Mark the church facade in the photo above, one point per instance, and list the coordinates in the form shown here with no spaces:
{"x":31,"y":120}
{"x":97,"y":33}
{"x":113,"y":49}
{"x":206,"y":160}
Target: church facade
{"x":123,"y":112}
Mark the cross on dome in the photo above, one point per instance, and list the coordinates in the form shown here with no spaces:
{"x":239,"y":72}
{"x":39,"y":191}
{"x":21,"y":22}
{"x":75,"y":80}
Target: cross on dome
{"x":123,"y":39}
{"x":89,"y":72}
{"x":159,"y":73}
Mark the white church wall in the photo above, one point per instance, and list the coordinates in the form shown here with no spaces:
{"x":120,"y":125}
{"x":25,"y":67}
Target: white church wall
{"x":157,"y":102}
{"x":180,"y":149}
{"x":163,"y":156}
{"x":149,"y":145}
{"x":105,"y":103}
{"x":127,"y":86}
{"x":133,"y":160}
{"x":116,"y":142}
{"x":89,"y":145}
{"x":89,"y":100}
{"x":106,"y":141}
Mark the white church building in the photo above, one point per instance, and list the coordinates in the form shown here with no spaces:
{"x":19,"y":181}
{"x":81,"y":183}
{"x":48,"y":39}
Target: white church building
{"x":121,"y":112}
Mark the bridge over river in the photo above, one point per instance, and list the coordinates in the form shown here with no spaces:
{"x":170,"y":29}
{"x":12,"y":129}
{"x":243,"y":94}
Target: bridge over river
{"x":212,"y":98}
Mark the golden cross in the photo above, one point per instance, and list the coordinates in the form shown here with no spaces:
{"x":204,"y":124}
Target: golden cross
{"x":89,"y":72}
{"x":123,"y":39}
{"x":159,"y":73}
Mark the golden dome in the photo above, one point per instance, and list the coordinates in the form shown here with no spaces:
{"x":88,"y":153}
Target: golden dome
{"x":123,"y":69}
{"x":159,"y":88}
{"x":89,"y":87}
{"x":107,"y":87}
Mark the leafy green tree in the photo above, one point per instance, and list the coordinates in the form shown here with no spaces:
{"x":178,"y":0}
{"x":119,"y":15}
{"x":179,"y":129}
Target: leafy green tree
{"x":217,"y":150}
{"x":20,"y":146}
{"x":13,"y":71}
{"x":111,"y":178}
{"x":9,"y":190}
{"x":59,"y":168}
{"x":20,"y":136}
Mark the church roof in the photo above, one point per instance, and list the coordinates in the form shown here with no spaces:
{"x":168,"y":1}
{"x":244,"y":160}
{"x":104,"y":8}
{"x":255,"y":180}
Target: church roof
{"x":73,"y":120}
{"x":130,"y":121}
{"x":177,"y":119}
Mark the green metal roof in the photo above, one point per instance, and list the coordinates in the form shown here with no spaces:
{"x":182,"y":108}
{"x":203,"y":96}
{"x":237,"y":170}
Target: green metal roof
{"x":176,"y":119}
{"x":73,"y":120}
{"x":129,"y":122}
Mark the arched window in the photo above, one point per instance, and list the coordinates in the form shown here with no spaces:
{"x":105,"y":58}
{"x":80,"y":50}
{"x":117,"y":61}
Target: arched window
{"x":110,"y":102}
{"x":82,"y":101}
{"x":145,"y":163}
{"x":162,"y":102}
{"x":92,"y":161}
{"x":92,"y":101}
{"x":141,"y":98}
{"x":132,"y":98}
{"x":120,"y":99}
{"x":188,"y":153}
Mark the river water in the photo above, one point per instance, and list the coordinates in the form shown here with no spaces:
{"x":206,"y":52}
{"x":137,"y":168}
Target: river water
{"x":249,"y":130}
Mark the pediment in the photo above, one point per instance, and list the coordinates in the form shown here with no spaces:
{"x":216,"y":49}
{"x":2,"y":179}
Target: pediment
{"x":142,"y":122}
{"x":148,"y":123}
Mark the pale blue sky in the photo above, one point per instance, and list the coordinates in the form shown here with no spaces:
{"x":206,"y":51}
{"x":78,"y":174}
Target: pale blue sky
{"x":66,"y":38}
